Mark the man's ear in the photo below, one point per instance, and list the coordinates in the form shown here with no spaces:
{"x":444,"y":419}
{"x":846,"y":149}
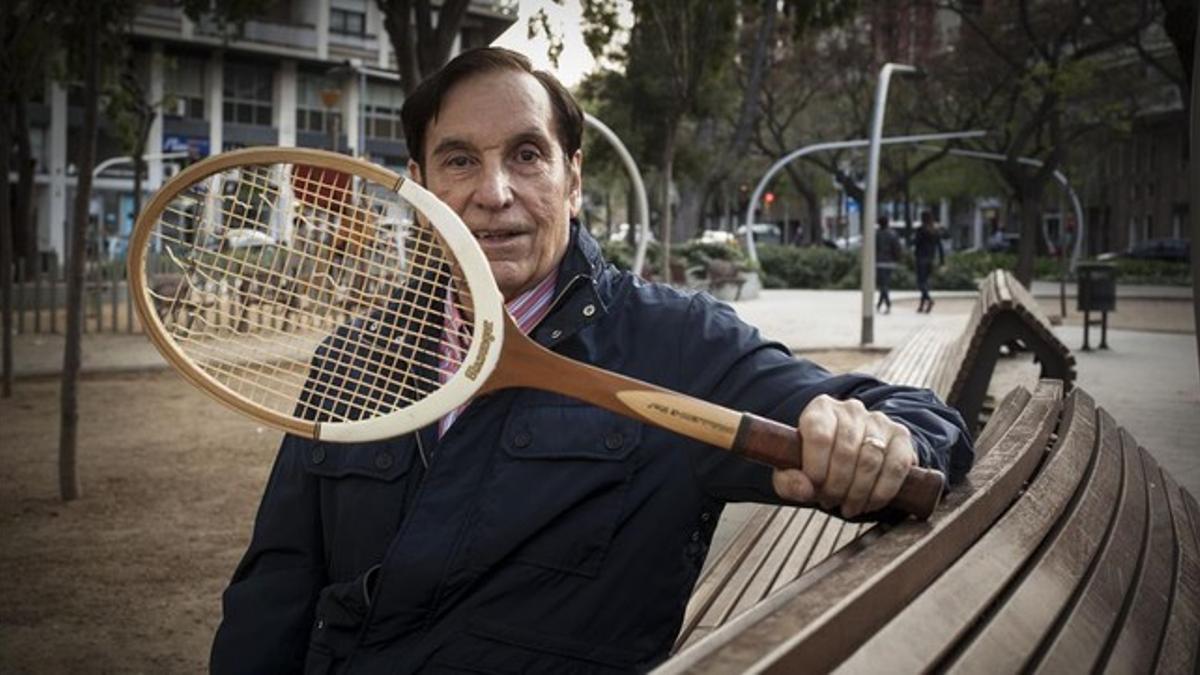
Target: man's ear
{"x":414,"y":172}
{"x":575,"y":181}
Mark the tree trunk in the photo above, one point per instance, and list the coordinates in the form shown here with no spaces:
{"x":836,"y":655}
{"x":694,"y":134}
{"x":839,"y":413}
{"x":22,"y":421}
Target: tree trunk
{"x":691,"y":213}
{"x":1194,"y":182}
{"x":6,"y":252}
{"x":812,"y":206}
{"x":1031,"y":205}
{"x":68,"y":478}
{"x":668,"y":160}
{"x":139,"y":169}
{"x":23,"y":225}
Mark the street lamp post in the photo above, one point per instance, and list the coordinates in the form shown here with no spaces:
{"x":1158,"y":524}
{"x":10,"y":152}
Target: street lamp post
{"x":870,"y":199}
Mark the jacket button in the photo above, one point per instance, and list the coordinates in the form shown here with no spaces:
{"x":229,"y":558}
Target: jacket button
{"x":522,"y":439}
{"x":705,"y":517}
{"x":589,"y":310}
{"x":317,"y":455}
{"x":383,"y":461}
{"x":555,"y":334}
{"x":614,"y":440}
{"x":695,"y":536}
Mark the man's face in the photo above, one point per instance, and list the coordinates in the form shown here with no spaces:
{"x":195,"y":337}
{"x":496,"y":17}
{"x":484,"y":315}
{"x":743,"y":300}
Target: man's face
{"x":492,"y":156}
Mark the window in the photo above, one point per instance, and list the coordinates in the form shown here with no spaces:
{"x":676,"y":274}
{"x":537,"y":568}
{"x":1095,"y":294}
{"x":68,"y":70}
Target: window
{"x":183,"y":85}
{"x":382,"y":111}
{"x":347,"y":22}
{"x":248,"y":94}
{"x":311,"y":112}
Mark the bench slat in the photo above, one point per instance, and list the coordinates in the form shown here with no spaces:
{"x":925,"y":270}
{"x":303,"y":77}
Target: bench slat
{"x":1142,"y":628}
{"x":790,"y":544}
{"x":716,"y":578}
{"x":757,"y":587}
{"x":1073,"y":648}
{"x":1010,"y":406}
{"x":928,"y":629}
{"x":1179,"y":650}
{"x":813,"y":626}
{"x":1012,"y":636}
{"x":797,"y":560}
{"x":723,"y":604}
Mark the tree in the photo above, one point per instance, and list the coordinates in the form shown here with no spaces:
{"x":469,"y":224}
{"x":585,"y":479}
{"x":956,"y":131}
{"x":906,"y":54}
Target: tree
{"x":7,"y":65}
{"x":678,"y":56}
{"x":770,"y":32}
{"x":92,"y":31}
{"x":421,"y":46}
{"x":1042,"y":76}
{"x":133,"y":116}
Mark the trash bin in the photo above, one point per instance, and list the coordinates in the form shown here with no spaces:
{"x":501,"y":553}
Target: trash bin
{"x":1097,"y":292}
{"x":1097,"y":287}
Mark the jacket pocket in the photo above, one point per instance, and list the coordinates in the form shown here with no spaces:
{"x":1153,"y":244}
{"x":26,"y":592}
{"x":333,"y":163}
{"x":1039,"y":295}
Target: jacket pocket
{"x":557,"y":489}
{"x":338,"y":616}
{"x":363,"y":490}
{"x":488,"y":647}
{"x":379,"y":460}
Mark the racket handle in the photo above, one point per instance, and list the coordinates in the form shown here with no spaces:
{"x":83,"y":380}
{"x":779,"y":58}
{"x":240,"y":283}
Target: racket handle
{"x":778,"y":445}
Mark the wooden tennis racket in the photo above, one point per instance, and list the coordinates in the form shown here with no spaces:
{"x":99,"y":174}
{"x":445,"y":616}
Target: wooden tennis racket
{"x":336,"y":300}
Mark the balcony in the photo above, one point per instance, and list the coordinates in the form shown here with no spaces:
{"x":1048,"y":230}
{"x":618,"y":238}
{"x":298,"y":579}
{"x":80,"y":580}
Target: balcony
{"x":354,"y":45}
{"x":290,"y":35}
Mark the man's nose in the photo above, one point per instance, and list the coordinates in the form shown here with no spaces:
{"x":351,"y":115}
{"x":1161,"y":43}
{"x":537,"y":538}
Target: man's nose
{"x":494,"y":190}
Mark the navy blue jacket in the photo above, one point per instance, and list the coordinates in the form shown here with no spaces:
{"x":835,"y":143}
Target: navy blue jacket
{"x":539,"y":534}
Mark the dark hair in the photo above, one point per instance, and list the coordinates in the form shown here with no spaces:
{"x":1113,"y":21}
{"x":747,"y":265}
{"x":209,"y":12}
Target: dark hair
{"x":425,"y":102}
{"x":882,"y":221}
{"x":927,"y":216}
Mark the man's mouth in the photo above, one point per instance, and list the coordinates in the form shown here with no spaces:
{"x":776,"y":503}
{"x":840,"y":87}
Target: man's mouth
{"x":497,"y":236}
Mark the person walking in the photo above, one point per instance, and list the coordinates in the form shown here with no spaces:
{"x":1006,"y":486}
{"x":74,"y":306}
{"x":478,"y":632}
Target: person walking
{"x":887,"y":257}
{"x":927,"y":245}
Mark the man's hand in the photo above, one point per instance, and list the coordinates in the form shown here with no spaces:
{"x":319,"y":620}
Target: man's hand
{"x":851,"y":456}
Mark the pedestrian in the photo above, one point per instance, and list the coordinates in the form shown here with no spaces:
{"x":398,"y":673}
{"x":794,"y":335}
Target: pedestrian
{"x":529,"y":532}
{"x":888,"y":251}
{"x":927,"y":247}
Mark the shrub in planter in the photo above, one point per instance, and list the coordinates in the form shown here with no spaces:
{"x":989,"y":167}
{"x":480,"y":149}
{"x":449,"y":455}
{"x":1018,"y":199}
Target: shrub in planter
{"x":803,"y":267}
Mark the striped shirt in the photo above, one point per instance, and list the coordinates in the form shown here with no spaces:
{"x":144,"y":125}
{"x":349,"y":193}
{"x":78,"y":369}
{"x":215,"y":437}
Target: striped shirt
{"x":527,"y":310}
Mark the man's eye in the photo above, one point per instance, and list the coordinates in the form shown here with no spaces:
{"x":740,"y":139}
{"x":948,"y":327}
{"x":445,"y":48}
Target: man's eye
{"x":528,"y":155}
{"x":458,"y":161}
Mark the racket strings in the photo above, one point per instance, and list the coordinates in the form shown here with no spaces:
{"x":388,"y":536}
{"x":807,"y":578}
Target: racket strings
{"x":268,"y":260}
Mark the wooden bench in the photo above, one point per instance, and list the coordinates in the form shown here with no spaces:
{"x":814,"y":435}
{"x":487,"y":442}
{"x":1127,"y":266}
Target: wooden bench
{"x":778,"y":544}
{"x":958,"y":368}
{"x":1067,"y":550}
{"x":719,"y":274}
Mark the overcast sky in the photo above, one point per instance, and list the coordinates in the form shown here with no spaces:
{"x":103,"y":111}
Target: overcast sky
{"x":575,"y":61}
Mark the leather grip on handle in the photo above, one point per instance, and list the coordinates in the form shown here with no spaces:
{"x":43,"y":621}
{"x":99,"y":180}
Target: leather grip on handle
{"x":778,"y":445}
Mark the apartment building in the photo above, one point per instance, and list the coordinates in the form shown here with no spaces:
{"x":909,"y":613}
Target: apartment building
{"x":310,"y":73}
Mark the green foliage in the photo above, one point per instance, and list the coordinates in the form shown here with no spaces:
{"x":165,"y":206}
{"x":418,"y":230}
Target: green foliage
{"x":698,"y":254}
{"x":690,"y":254}
{"x":803,"y":267}
{"x":1157,"y":272}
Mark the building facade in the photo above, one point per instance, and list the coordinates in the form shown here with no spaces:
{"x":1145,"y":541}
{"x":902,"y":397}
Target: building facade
{"x":309,"y":73}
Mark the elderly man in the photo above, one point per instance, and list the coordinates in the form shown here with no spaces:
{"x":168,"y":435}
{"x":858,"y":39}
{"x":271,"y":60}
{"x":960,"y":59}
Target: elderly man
{"x":528,"y":532}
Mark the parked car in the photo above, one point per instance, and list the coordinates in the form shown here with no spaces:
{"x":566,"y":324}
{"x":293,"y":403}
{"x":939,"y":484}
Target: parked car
{"x":764,"y":233}
{"x":1168,"y":249}
{"x":717,"y":237}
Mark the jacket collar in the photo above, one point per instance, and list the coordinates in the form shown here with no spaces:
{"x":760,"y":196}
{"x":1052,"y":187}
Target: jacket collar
{"x":577,"y":300}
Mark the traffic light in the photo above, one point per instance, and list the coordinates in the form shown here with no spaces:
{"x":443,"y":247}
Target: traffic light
{"x":769,"y":198}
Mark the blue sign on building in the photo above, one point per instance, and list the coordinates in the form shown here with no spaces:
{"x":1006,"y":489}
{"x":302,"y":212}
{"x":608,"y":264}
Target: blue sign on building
{"x":196,"y":147}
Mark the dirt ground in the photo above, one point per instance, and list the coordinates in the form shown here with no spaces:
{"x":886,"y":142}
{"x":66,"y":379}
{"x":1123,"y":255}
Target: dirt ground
{"x":128,"y":578}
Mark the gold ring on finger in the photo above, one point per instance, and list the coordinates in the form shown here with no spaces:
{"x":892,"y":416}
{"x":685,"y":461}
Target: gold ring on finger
{"x":875,"y":442}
